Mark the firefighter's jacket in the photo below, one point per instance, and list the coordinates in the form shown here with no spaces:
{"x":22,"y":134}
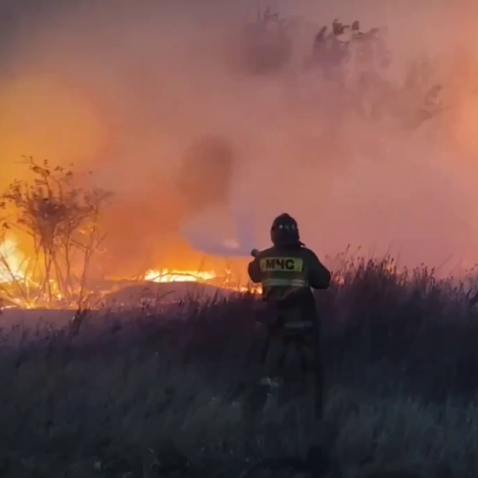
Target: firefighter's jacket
{"x":287,"y":275}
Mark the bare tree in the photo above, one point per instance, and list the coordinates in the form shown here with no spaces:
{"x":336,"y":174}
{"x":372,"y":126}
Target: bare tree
{"x":62,"y":220}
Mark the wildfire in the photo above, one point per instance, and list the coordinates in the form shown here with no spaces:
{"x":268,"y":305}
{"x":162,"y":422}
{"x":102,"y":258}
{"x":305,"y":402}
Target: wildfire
{"x":226,"y":281}
{"x":166,"y":275}
{"x":11,"y":262}
{"x":18,"y":285}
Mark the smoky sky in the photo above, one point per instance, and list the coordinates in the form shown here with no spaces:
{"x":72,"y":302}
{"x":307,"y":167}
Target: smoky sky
{"x":191,"y":119}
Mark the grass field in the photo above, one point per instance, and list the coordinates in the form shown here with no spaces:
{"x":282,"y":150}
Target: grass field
{"x":144,"y":395}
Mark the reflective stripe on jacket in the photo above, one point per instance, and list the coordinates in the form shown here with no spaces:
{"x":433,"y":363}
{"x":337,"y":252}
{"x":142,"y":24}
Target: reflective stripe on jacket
{"x":285,"y":282}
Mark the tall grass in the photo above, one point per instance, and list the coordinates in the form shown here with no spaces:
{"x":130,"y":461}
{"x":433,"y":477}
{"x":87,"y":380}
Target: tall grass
{"x":139,"y":395}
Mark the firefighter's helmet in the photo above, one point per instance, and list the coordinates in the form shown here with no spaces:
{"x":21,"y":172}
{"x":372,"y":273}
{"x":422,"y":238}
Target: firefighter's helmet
{"x":285,"y":231}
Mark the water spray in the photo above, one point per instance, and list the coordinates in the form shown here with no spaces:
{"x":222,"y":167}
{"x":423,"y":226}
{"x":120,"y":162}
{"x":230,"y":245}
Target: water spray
{"x":216,"y":232}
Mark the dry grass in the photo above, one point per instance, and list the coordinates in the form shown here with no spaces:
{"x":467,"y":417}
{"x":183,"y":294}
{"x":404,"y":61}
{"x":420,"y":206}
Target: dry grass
{"x":149,"y":396}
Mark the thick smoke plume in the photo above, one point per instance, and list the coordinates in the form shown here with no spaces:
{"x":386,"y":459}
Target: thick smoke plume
{"x":206,"y":133}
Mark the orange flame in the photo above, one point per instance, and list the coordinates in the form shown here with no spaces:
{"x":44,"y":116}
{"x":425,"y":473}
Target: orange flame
{"x":23,"y":290}
{"x":11,"y":262}
{"x":166,"y":275}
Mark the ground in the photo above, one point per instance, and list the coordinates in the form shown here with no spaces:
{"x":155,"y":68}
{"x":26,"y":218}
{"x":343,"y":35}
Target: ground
{"x":139,"y":394}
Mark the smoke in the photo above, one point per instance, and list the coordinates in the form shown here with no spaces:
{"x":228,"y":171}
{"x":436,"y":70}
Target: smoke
{"x":218,"y":224}
{"x":205,"y":136}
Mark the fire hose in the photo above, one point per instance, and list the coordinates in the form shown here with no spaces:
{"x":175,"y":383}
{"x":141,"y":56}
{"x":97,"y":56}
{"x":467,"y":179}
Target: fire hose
{"x":317,"y":461}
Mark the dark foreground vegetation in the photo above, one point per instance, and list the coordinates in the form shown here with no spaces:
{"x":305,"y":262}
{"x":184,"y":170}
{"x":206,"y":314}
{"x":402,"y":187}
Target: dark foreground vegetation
{"x":140,"y":395}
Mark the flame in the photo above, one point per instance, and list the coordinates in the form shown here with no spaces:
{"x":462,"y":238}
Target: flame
{"x":13,"y":272}
{"x":166,"y":275}
{"x":225,"y":281}
{"x":17,"y":283}
{"x":12,"y":262}
{"x":23,"y":290}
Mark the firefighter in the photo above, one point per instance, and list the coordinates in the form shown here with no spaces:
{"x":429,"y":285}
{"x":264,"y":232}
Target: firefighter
{"x":287,"y":271}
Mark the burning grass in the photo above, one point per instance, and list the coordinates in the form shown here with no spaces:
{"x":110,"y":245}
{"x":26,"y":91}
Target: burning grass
{"x":151,"y":394}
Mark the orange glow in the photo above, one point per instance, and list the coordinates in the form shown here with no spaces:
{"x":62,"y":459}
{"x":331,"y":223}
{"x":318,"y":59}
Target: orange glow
{"x":224,"y":281}
{"x":12,"y":262}
{"x":167,"y":275}
{"x":18,"y":284}
{"x":463,"y":126}
{"x":175,"y":126}
{"x":48,"y":118}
